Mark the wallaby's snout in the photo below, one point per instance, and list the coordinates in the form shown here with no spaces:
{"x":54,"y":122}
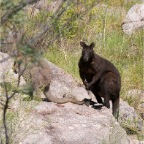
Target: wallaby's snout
{"x":86,"y":55}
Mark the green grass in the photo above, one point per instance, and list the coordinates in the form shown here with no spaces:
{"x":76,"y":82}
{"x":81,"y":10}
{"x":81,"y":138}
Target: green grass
{"x":66,"y":60}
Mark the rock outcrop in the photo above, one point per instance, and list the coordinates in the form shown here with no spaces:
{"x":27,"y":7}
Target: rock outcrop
{"x":137,"y":97}
{"x":52,"y":123}
{"x":134,"y":19}
{"x":63,"y":88}
{"x":129,"y":118}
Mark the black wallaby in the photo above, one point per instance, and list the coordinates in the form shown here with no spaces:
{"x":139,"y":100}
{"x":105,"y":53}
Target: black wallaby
{"x":101,"y":77}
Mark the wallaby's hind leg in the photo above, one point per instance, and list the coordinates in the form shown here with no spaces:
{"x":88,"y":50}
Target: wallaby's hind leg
{"x":115,"y":108}
{"x":106,"y":97}
{"x":46,"y":89}
{"x":109,"y":88}
{"x":46,"y":93}
{"x":104,"y":93}
{"x":98,"y":97}
{"x":106,"y":101}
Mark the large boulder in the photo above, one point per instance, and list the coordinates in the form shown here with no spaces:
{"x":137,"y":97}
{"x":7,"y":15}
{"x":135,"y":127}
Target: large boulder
{"x":129,"y":118}
{"x":136,"y":96}
{"x":63,"y":86}
{"x":134,"y":19}
{"x":50,"y":123}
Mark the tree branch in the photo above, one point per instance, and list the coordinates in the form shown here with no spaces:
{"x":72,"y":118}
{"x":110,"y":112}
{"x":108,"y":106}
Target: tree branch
{"x":46,"y":27}
{"x":15,"y":9}
{"x":14,"y":53}
{"x":6,"y":107}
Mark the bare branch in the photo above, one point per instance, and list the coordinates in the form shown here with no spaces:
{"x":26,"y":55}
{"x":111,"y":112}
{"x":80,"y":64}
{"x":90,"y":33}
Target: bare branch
{"x":14,"y":53}
{"x":67,"y":22}
{"x":45,"y":28}
{"x":4,"y":113}
{"x":15,"y":9}
{"x":6,"y":105}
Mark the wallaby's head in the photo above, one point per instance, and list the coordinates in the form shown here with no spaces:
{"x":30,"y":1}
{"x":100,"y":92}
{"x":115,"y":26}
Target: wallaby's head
{"x":19,"y":64}
{"x":87,"y":51}
{"x":15,"y":67}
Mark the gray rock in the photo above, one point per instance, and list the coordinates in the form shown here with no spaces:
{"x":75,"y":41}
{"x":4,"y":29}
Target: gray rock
{"x":134,"y":19}
{"x":136,"y":93}
{"x":129,"y":118}
{"x":69,"y":123}
{"x":137,"y":96}
{"x":63,"y":87}
{"x":142,"y":105}
{"x":133,"y":140}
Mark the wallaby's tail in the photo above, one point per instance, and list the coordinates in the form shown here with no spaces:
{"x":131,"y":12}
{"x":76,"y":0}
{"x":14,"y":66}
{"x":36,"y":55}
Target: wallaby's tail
{"x":115,"y":107}
{"x":62,"y":100}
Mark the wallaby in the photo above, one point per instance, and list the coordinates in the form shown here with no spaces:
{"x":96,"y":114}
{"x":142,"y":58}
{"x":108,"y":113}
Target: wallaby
{"x":36,"y":73}
{"x":38,"y":76}
{"x":101,"y":77}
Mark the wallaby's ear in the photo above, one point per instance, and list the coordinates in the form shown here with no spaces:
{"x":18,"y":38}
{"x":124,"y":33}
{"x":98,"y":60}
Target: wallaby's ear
{"x":92,"y":45}
{"x":82,"y":44}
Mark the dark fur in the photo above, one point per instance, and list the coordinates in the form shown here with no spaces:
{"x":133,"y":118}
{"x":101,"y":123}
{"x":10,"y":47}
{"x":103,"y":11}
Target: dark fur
{"x":101,"y":77}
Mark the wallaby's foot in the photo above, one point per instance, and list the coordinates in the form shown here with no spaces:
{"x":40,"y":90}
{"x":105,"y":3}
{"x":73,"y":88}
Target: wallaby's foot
{"x":45,"y":99}
{"x":97,"y":106}
{"x":89,"y":102}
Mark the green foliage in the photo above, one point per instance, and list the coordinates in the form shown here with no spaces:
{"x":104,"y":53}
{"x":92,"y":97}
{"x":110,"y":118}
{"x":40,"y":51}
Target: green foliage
{"x":64,"y":59}
{"x":8,"y":4}
{"x":7,"y":85}
{"x":27,"y":50}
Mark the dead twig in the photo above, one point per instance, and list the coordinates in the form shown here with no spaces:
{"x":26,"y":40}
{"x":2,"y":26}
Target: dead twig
{"x":15,"y":10}
{"x":5,"y":108}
